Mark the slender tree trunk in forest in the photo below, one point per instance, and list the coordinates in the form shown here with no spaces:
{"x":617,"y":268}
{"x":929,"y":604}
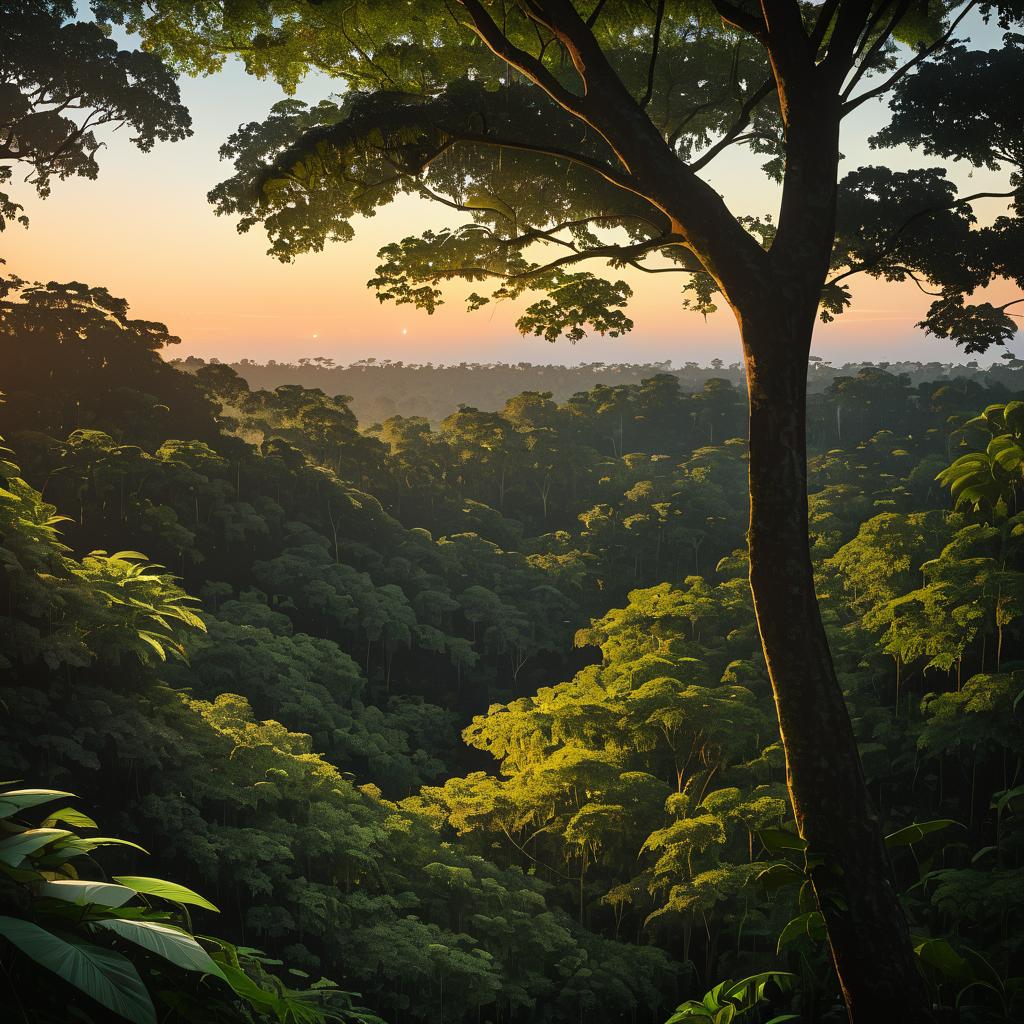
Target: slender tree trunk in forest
{"x":852,"y":877}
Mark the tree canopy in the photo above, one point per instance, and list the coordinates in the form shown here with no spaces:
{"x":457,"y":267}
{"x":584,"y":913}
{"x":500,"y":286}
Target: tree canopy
{"x":62,"y":83}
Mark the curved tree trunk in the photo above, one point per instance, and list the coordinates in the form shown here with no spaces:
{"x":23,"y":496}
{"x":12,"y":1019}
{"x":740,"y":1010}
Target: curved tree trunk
{"x":850,"y":870}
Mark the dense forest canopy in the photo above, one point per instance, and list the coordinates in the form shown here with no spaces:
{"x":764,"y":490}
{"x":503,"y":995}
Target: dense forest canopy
{"x":557,"y":135}
{"x":537,"y":694}
{"x":611,"y":835}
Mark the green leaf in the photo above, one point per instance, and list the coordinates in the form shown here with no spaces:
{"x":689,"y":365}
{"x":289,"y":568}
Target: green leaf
{"x":750,"y":990}
{"x":78,"y":846}
{"x":21,"y":874}
{"x":810,"y":925}
{"x":154,"y":642}
{"x":938,"y":953}
{"x":103,"y":893}
{"x":14,"y":849}
{"x":15,"y":800}
{"x":1005,"y":797}
{"x":69,"y":816}
{"x":106,"y":976}
{"x":245,"y":987}
{"x":167,"y":941}
{"x":775,"y":839}
{"x":165,"y":890}
{"x":779,"y":875}
{"x":913,"y":833}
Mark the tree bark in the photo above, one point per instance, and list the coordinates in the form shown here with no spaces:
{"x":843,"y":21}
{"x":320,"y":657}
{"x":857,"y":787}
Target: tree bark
{"x":847,"y":860}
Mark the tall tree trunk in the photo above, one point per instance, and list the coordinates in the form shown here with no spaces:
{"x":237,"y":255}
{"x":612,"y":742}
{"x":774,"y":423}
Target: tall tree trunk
{"x":849,"y":866}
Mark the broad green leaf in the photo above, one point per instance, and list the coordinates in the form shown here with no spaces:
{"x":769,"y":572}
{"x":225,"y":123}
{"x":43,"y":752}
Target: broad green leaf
{"x":69,"y":816}
{"x":78,"y":846}
{"x":778,"y":875}
{"x":14,"y":849}
{"x":913,"y":833}
{"x":106,"y":976}
{"x":751,"y":990}
{"x":165,"y":890}
{"x":1006,"y":796}
{"x":167,"y":941}
{"x":245,"y":987}
{"x":774,"y":839}
{"x":15,"y":800}
{"x":24,"y":874}
{"x":938,"y":953}
{"x":103,"y":893}
{"x":810,"y":925}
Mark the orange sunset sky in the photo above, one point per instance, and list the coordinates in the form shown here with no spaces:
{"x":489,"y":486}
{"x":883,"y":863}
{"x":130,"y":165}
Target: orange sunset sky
{"x":145,"y":231}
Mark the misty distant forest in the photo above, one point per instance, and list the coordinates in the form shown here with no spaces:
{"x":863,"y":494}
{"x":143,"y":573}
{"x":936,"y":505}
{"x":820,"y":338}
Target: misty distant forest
{"x":384,"y":692}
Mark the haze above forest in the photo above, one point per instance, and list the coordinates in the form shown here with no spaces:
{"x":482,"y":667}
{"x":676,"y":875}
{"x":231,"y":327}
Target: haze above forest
{"x":379,"y":388}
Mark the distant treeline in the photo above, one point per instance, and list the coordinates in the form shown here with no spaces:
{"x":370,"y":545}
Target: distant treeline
{"x":381,"y":388}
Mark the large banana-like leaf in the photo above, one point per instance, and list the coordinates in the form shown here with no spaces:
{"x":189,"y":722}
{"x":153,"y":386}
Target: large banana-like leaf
{"x":14,"y":849}
{"x":245,"y":987}
{"x":106,"y":976}
{"x":167,"y":941}
{"x":911,"y":834}
{"x":165,"y":890}
{"x":103,"y":893}
{"x":68,"y":816}
{"x":15,"y":800}
{"x":80,"y":845}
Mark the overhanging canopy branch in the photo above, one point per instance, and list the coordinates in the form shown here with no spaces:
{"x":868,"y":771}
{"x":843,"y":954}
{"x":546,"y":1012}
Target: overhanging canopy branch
{"x":870,"y":48}
{"x":696,"y":210}
{"x":487,"y":30}
{"x":888,"y":247}
{"x":851,"y":104}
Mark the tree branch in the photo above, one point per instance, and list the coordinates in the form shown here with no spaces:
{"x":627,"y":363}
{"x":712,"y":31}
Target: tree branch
{"x":654,"y":54}
{"x":627,"y":254}
{"x":740,"y":19}
{"x":691,"y":204}
{"x":822,"y":23}
{"x":741,"y":122}
{"x":595,"y":13}
{"x":864,"y":61}
{"x":788,"y":46}
{"x":610,"y":174}
{"x":850,"y":105}
{"x":890,"y":241}
{"x":483,"y":26}
{"x":851,"y":19}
